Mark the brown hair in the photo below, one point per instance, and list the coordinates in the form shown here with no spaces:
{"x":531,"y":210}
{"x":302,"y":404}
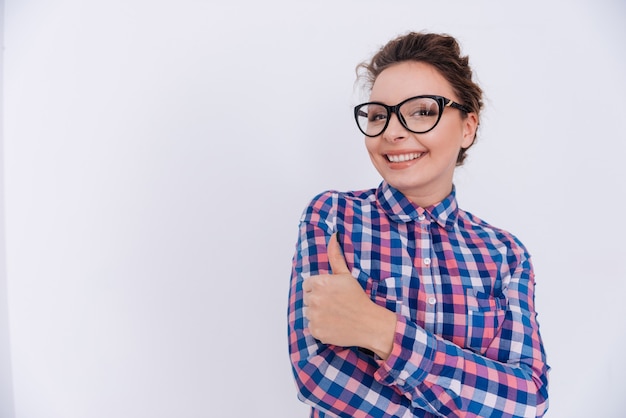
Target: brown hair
{"x":439,"y":50}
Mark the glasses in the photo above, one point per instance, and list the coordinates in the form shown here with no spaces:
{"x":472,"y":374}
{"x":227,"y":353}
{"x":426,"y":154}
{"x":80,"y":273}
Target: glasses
{"x":418,"y":114}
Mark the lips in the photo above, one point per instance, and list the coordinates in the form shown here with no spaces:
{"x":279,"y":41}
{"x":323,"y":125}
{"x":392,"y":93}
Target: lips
{"x":402,"y":158}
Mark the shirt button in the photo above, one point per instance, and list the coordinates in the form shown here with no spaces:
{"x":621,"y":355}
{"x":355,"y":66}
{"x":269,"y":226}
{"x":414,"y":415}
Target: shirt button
{"x":432,"y":300}
{"x":421,"y":217}
{"x":427,"y":261}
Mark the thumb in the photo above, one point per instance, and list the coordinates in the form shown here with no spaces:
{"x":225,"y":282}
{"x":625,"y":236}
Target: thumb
{"x":337,"y":262}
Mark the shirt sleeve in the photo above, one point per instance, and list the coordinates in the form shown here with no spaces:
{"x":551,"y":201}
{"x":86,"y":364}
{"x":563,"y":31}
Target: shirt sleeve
{"x":425,"y":375}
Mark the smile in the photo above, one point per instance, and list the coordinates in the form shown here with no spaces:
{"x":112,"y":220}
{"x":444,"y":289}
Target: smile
{"x":401,"y":158}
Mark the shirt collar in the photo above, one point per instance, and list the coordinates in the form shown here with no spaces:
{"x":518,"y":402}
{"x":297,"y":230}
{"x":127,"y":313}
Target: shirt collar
{"x":400,"y":209}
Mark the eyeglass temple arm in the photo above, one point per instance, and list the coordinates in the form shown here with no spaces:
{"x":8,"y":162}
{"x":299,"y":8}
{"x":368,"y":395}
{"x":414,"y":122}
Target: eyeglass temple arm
{"x":457,"y":106}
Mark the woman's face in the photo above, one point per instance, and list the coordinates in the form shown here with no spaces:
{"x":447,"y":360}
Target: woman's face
{"x":420,"y":166}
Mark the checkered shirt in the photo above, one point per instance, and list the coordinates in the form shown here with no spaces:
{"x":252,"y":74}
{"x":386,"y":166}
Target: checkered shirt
{"x":467,"y":341}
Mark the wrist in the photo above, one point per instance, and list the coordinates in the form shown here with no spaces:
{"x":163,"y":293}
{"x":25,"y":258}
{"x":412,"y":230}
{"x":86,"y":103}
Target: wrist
{"x":381,"y":332}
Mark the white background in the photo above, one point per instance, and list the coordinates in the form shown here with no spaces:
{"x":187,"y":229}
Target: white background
{"x":157,"y":156}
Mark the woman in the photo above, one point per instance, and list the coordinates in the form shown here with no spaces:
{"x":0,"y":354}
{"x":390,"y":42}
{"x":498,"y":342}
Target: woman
{"x":401,"y":304}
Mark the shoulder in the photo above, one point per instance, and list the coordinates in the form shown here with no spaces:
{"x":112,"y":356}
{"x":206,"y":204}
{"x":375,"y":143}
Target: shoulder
{"x":494,"y":236}
{"x":332,"y":203}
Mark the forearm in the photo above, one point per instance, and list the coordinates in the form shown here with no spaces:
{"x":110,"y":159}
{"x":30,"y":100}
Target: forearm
{"x":423,"y":371}
{"x":443,"y":378}
{"x":340,"y":380}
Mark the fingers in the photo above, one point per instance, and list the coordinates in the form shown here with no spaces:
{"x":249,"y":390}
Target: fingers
{"x":307,"y":285}
{"x":307,"y":289}
{"x":335,"y":256}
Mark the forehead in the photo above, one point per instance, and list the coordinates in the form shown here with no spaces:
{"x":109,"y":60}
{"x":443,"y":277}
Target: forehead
{"x":408,"y":79}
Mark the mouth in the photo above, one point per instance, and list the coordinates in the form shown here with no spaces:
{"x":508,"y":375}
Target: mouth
{"x":402,"y":158}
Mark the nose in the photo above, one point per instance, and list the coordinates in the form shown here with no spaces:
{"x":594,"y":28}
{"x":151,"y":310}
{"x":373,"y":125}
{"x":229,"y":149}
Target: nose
{"x":395,"y":131}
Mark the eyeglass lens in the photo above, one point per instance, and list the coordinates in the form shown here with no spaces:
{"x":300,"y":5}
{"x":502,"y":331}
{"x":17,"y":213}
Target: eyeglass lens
{"x":418,"y":115}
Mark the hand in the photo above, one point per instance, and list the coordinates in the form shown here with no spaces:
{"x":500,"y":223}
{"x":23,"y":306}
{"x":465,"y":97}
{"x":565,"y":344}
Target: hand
{"x":340,"y":312}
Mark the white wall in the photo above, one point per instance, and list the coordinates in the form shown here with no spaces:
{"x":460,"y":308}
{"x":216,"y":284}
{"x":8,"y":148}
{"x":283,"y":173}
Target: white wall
{"x":157,"y":156}
{"x":6,"y":377}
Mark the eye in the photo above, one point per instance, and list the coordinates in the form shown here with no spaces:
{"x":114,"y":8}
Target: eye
{"x":422,"y":107}
{"x":423,"y":110}
{"x":377,"y":116}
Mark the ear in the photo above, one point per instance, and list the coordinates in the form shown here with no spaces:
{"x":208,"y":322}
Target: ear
{"x":470,"y":125}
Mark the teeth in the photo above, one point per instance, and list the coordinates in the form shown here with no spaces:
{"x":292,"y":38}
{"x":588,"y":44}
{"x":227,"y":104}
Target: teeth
{"x":404,"y":157}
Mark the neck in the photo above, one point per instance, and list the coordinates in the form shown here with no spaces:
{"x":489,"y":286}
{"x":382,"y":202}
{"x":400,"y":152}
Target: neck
{"x":425,"y":199}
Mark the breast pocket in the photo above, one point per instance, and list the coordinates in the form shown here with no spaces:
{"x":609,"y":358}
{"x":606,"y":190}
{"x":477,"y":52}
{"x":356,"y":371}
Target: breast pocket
{"x":391,"y":293}
{"x":486,"y":315}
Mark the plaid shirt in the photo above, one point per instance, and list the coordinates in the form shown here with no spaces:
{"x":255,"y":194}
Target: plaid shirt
{"x":466,"y":343}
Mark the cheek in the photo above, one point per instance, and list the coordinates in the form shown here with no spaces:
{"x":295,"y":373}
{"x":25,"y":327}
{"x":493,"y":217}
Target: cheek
{"x":370,"y":146}
{"x":451,"y":140}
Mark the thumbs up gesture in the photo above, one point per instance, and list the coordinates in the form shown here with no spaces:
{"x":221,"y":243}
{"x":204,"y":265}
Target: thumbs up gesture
{"x":340,"y":312}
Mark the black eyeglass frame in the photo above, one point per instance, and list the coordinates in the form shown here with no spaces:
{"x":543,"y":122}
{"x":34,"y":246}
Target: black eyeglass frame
{"x":443,"y":102}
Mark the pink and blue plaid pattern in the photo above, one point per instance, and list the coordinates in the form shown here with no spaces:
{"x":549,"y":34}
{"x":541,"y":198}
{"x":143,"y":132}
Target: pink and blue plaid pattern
{"x":467,"y":341}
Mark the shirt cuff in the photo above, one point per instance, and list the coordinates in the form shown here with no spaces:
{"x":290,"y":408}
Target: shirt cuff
{"x":411,"y":358}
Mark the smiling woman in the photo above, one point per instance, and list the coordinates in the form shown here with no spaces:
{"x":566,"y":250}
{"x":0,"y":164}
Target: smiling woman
{"x":402,"y":304}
